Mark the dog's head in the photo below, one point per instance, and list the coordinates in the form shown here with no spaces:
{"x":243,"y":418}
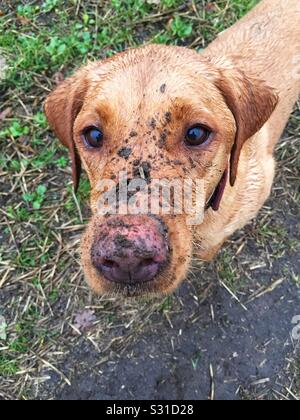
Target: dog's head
{"x":155,"y":114}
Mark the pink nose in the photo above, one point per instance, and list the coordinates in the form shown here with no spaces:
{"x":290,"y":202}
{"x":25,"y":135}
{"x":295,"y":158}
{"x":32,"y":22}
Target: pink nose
{"x":130,"y":249}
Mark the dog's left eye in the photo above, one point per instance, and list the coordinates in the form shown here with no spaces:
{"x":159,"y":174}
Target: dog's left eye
{"x":197,"y":135}
{"x":93,"y":137}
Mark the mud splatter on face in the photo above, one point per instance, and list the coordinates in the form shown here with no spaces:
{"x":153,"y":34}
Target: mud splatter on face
{"x":178,"y":162}
{"x":136,"y":162}
{"x":168,"y":117}
{"x":162,"y":140}
{"x":152,"y":123}
{"x":133,"y":134}
{"x":122,"y":242}
{"x":192,"y":163}
{"x":125,"y":152}
{"x":163,"y":88}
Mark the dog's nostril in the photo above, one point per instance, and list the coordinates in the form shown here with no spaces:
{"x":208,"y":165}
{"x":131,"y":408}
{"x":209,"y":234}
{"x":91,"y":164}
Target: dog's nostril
{"x":147,"y":263}
{"x":129,"y":269}
{"x":109,"y":264}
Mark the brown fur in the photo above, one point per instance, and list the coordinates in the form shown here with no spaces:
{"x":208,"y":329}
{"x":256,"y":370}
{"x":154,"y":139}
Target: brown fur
{"x":144,"y":100}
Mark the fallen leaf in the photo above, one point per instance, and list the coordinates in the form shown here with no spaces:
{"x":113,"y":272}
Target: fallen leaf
{"x":6,"y":113}
{"x":1,"y":13}
{"x":23,"y":20}
{"x":84,"y":320}
{"x":3,"y":327}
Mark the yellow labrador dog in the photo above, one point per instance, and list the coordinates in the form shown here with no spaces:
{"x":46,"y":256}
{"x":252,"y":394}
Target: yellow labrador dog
{"x":165,"y":113}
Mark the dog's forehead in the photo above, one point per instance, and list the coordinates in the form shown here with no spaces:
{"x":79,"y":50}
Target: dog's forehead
{"x":151,"y":73}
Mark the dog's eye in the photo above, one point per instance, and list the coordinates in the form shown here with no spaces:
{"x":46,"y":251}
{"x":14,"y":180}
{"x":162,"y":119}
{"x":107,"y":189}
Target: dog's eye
{"x":197,"y":135}
{"x":93,"y":137}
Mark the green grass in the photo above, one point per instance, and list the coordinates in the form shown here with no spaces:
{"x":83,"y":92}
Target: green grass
{"x":8,"y":367}
{"x":228,"y":270}
{"x":41,"y":48}
{"x":26,"y":336}
{"x":46,"y":37}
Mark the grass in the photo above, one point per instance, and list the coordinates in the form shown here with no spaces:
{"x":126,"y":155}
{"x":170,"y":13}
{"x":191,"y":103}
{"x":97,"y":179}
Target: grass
{"x":41,"y":284}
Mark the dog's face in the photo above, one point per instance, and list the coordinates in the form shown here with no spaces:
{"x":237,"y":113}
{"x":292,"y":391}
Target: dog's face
{"x":156,"y":113}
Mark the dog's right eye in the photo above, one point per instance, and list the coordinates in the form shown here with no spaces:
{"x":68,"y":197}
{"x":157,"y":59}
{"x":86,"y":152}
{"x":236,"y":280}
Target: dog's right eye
{"x":93,"y":137}
{"x":197,"y":135}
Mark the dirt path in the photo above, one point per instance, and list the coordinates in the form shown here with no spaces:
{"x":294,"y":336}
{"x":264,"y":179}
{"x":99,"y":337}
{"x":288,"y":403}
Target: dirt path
{"x":247,"y":351}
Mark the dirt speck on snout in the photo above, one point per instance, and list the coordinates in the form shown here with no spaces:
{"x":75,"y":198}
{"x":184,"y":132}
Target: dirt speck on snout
{"x":168,"y":117}
{"x":163,"y":88}
{"x":162,"y":140}
{"x":117,"y":223}
{"x":122,"y":242}
{"x":133,"y":133}
{"x":125,"y":152}
{"x":152,"y":123}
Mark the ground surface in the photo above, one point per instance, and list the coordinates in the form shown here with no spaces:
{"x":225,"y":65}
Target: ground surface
{"x":200,"y":343}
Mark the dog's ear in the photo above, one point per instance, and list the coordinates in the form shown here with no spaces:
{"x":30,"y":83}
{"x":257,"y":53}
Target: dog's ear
{"x":62,"y":107}
{"x":251,"y":102}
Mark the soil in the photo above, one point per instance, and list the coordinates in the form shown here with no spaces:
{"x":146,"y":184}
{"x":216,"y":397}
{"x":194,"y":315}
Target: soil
{"x":243,"y":349}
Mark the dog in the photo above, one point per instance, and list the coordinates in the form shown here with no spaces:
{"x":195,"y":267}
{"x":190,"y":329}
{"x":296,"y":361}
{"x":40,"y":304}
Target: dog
{"x":166,"y":112}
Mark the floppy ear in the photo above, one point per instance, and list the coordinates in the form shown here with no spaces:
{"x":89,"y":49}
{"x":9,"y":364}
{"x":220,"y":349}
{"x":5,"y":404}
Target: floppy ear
{"x":62,"y":107}
{"x":251,"y":102}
